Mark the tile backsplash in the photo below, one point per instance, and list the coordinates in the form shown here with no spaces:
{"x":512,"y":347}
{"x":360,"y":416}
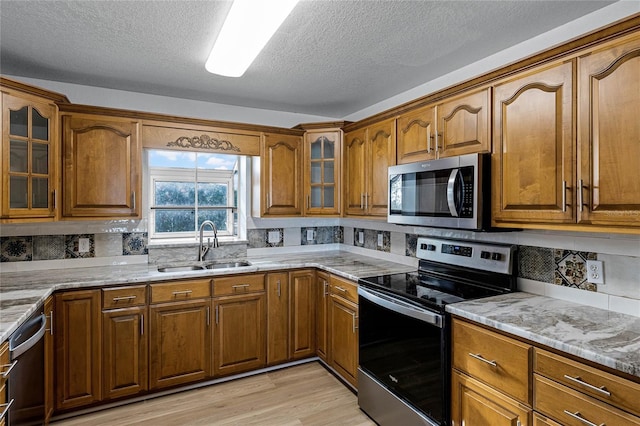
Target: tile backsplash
{"x":550,"y":263}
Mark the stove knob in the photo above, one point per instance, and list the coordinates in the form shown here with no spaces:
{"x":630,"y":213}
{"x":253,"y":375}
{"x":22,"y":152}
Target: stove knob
{"x":423,"y":246}
{"x":496,"y":256}
{"x":485,"y":255}
{"x":431,"y":247}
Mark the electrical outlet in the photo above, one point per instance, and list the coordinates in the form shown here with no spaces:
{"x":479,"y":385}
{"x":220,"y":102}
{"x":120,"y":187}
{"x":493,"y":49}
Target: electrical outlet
{"x":380,"y":240}
{"x":83,"y":245}
{"x":595,"y":272}
{"x":273,"y":237}
{"x":361,"y":237}
{"x":310,"y":234}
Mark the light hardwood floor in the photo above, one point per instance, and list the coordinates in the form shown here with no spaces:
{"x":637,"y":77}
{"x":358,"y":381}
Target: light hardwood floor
{"x":306,"y":394}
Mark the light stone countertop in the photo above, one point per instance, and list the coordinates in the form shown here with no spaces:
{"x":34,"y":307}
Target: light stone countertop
{"x":604,"y":337}
{"x":22,"y":293}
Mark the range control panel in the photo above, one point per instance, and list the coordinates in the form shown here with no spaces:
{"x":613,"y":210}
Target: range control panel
{"x":472,"y":254}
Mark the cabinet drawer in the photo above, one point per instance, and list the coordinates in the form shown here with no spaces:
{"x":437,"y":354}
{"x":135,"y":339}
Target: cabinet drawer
{"x":599,"y":384}
{"x":238,"y":284}
{"x":180,"y":290}
{"x":124,"y":297}
{"x":572,"y":408}
{"x":344,"y":288}
{"x":494,"y":359}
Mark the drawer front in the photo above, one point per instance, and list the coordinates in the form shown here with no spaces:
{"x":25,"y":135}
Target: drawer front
{"x":124,"y":297}
{"x":238,"y":284}
{"x":344,"y":288}
{"x":572,"y":408}
{"x":494,"y":359}
{"x":591,"y":381}
{"x":180,"y":290}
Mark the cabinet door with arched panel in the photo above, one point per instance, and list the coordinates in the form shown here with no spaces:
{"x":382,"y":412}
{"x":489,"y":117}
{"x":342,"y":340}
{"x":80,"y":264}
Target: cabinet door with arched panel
{"x":322,"y":172}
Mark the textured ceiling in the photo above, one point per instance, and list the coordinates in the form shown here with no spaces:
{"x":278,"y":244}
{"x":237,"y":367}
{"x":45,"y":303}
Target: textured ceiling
{"x":329,"y":58}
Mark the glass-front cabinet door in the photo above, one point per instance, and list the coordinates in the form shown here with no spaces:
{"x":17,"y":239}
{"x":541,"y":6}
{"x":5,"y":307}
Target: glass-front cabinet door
{"x":322,"y":172}
{"x":28,"y":158}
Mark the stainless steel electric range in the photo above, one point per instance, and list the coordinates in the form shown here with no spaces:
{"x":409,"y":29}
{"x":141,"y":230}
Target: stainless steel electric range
{"x":404,"y":368}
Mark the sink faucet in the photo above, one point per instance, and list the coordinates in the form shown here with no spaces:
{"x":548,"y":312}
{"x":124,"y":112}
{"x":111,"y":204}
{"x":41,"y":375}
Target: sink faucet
{"x":202,"y":250}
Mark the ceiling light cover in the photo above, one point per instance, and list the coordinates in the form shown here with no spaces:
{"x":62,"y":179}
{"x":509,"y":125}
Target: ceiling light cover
{"x":246,"y":30}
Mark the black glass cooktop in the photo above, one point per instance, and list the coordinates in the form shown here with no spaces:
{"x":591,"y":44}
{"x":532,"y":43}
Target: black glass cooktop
{"x":431,"y":291}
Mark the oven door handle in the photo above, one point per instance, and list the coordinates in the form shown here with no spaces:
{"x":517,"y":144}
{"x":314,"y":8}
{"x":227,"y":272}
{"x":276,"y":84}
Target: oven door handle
{"x":401,"y":307}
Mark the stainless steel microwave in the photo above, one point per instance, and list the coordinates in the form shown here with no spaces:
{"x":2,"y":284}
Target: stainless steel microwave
{"x":450,"y":192}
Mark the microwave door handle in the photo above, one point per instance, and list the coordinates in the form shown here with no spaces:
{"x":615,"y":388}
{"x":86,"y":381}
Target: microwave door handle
{"x":451,"y":192}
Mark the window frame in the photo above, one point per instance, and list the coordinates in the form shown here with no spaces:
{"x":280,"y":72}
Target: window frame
{"x":191,"y":175}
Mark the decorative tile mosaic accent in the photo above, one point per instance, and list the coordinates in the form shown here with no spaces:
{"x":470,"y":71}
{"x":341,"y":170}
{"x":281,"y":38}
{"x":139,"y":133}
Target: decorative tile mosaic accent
{"x":304,"y":231}
{"x":356,"y":239}
{"x":280,"y":239}
{"x":134,"y":243}
{"x":72,"y":244}
{"x":16,"y":249}
{"x":48,"y":247}
{"x":322,"y":235}
{"x":411,"y":241}
{"x":371,"y":239}
{"x":536,"y":263}
{"x":571,"y":268}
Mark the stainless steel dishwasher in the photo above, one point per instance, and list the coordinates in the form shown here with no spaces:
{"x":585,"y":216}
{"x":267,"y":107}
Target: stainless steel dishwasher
{"x":26,"y":381}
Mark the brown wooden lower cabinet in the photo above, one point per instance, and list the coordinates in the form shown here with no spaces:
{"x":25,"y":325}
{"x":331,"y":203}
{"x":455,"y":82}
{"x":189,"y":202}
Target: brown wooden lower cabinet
{"x":125,"y":346}
{"x":343,"y":338}
{"x":240,"y":333}
{"x":474,"y":403}
{"x":49,"y":366}
{"x":179,"y":343}
{"x":277,"y":317}
{"x":322,"y":308}
{"x":78,"y":359}
{"x":302,"y":309}
{"x":5,"y":360}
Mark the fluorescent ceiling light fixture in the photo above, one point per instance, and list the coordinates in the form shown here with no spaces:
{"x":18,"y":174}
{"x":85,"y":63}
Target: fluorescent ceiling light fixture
{"x":248,"y":27}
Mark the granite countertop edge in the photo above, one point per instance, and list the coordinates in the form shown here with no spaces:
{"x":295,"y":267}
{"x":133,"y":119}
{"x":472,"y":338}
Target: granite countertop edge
{"x":604,"y":337}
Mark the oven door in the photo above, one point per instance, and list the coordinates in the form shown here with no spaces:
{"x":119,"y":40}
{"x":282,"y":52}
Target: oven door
{"x":403,"y":353}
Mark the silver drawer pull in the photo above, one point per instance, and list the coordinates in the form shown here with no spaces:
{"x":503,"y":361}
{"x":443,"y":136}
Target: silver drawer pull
{"x":6,"y":409}
{"x":578,"y":380}
{"x":337,"y":287}
{"x":237,"y":286}
{"x":579,"y":417}
{"x":182,"y":293}
{"x":119,"y":299}
{"x":481,"y":358}
{"x":6,"y":373}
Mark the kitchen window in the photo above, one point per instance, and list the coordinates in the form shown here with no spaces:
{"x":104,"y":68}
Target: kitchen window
{"x":187,"y":188}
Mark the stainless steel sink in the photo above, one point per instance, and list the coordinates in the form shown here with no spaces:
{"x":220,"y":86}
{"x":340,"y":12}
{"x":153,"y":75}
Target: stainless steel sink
{"x":215,"y":265}
{"x":224,"y":265}
{"x":181,"y":268}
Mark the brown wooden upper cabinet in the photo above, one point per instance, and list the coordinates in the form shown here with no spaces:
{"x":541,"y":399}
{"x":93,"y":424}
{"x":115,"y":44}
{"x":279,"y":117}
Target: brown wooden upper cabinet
{"x":368,"y":153}
{"x":460,"y":125}
{"x":29,"y":156}
{"x":534,"y":147}
{"x":281,"y":175}
{"x":322,"y":172}
{"x":609,"y":134}
{"x":102,"y":166}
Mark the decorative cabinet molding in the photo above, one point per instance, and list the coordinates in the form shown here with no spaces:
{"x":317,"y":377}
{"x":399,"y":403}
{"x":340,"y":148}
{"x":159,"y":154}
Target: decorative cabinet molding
{"x":200,"y":138}
{"x":102,"y":166}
